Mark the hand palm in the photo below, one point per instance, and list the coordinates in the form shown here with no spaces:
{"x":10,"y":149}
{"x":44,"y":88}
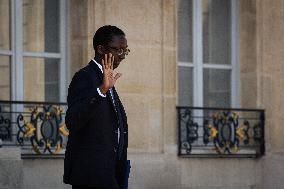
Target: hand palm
{"x":108,"y":78}
{"x":108,"y":75}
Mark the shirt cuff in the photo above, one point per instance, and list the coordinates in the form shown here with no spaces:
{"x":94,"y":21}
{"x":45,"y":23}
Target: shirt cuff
{"x":100,"y":93}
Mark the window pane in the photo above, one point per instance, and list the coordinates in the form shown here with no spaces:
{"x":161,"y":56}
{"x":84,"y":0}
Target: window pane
{"x":41,"y":79}
{"x":216,"y":31}
{"x":185,"y":31}
{"x":41,"y":25}
{"x":217,"y":87}
{"x":185,"y":86}
{"x":5,"y":77}
{"x":5,"y":24}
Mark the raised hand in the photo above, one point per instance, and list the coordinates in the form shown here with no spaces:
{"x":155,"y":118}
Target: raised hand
{"x":108,"y":75}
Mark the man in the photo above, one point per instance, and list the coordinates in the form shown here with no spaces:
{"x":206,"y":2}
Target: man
{"x":96,"y":152}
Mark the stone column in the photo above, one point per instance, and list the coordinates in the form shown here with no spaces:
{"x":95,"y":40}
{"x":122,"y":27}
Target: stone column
{"x":248,"y":54}
{"x":78,"y":28}
{"x":270,"y":57}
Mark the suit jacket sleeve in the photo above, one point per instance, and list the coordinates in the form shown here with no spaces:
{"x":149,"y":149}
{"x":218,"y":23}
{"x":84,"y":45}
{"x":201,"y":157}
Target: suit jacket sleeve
{"x":82,"y":98}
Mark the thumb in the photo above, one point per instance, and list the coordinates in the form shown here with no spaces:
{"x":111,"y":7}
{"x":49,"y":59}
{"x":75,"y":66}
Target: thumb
{"x":118,"y":75}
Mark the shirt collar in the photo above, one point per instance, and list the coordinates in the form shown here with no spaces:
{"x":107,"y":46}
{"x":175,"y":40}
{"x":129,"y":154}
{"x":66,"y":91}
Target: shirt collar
{"x":100,"y":66}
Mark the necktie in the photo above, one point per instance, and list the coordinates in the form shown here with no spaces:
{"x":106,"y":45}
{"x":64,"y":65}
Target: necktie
{"x":117,"y":107}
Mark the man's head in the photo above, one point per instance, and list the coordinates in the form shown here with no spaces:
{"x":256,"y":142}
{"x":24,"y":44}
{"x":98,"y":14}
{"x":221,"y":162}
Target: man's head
{"x":110,"y":39}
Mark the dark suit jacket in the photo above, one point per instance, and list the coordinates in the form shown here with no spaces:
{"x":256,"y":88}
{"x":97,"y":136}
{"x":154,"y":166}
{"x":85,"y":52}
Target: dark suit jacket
{"x":91,"y":152}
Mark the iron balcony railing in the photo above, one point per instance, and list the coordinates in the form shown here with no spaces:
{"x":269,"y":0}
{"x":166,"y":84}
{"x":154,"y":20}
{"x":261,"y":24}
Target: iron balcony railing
{"x":220,"y":132}
{"x":38,"y":127}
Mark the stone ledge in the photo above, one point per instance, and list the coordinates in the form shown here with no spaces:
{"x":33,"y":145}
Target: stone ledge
{"x":11,"y":174}
{"x":10,"y":153}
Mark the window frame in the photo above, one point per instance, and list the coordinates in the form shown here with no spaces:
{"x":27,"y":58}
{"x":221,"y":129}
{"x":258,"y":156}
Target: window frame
{"x":197,"y":52}
{"x":17,"y":54}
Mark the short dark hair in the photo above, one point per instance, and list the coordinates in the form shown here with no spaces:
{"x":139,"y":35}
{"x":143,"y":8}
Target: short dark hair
{"x":104,"y":35}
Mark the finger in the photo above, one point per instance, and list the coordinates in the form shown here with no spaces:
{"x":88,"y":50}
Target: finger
{"x":118,"y":75}
{"x":106,"y":59}
{"x":112,"y":60}
{"x":109,"y":59}
{"x":103,"y":64}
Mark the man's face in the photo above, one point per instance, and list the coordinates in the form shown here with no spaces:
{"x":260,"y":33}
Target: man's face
{"x":116,"y":47}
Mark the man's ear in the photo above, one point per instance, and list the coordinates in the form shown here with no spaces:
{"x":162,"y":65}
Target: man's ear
{"x":100,"y":49}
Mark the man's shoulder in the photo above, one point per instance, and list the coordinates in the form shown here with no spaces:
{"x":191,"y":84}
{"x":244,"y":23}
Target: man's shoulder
{"x":85,"y":71}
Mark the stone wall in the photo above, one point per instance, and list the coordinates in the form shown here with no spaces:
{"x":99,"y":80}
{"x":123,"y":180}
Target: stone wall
{"x":270,"y":86}
{"x":149,"y":71}
{"x":43,"y":174}
{"x":11,"y":168}
{"x":148,"y":91}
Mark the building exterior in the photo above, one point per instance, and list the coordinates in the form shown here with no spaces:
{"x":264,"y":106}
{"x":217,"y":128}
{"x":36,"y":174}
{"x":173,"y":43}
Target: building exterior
{"x":197,"y":53}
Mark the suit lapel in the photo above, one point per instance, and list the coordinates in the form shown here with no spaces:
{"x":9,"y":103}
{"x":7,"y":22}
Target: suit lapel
{"x":99,"y":73}
{"x":95,"y":67}
{"x":110,"y":98}
{"x":116,"y":98}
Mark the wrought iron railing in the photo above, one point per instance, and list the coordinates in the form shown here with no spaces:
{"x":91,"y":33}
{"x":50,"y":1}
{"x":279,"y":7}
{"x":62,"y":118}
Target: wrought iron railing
{"x":220,"y":132}
{"x":38,"y":127}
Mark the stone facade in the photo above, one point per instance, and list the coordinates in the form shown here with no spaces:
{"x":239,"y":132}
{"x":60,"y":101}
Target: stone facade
{"x":148,"y":90}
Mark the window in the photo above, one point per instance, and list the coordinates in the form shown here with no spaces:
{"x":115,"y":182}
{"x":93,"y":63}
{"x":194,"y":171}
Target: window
{"x":5,"y":50}
{"x":208,"y":76}
{"x":207,"y":53}
{"x":32,"y":50}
